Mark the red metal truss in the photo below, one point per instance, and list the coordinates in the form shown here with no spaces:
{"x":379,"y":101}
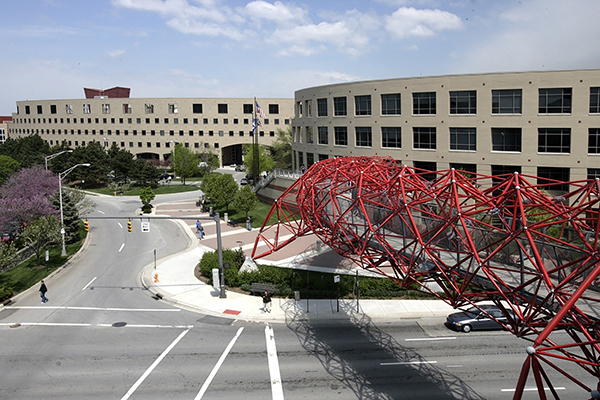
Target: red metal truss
{"x":472,"y":237}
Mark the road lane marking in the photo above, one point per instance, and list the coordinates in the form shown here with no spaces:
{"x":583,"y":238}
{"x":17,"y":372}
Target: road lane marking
{"x":276,"y":386}
{"x":154,"y":364}
{"x":218,"y":365}
{"x":121,"y":248}
{"x":531,"y":389}
{"x":120,"y":226}
{"x":148,"y":326}
{"x":88,"y":285}
{"x":93,"y":308}
{"x":431,"y":339}
{"x":101,"y":212}
{"x":408,"y":363}
{"x":70,"y":324}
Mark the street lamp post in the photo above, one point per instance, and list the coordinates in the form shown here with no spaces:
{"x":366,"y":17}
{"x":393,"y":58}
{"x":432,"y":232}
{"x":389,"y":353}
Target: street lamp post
{"x":50,"y":157}
{"x":62,"y":220}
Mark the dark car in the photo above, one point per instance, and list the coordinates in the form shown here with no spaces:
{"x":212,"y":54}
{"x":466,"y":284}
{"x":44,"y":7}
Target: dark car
{"x":475,"y":319}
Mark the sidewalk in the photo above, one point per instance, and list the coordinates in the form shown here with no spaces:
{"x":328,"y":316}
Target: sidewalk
{"x":178,"y":285}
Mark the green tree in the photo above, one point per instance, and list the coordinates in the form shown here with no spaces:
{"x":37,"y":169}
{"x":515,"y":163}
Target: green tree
{"x":266,"y":162}
{"x":8,"y":166}
{"x":70,"y":214}
{"x":8,"y":254}
{"x":146,"y":196}
{"x":145,"y":173}
{"x":42,"y":232}
{"x":208,"y":159}
{"x":185,"y":162}
{"x":94,"y":154}
{"x":282,"y":149}
{"x":221,"y":189}
{"x":121,"y":163}
{"x":245,"y":200}
{"x":27,"y":151}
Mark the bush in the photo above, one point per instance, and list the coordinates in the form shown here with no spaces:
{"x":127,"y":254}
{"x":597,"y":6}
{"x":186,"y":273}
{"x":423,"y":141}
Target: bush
{"x":6,"y":292}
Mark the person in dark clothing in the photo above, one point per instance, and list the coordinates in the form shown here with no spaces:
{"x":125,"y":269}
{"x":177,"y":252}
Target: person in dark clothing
{"x":267,"y":301}
{"x":43,"y":290}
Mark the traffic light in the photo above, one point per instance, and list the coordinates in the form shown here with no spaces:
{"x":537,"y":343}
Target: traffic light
{"x":129,"y":227}
{"x":86,"y":225}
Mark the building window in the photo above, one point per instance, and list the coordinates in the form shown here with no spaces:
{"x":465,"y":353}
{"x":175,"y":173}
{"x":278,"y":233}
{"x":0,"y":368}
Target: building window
{"x":555,"y":101}
{"x":273,"y":108}
{"x":424,"y":103}
{"x":391,"y":136}
{"x":594,"y":141}
{"x":463,"y":139}
{"x":87,"y":108}
{"x":362,"y":105}
{"x":105,"y":108}
{"x":554,"y":140}
{"x":197,"y":108}
{"x":506,"y":139}
{"x":341,"y":135}
{"x":39,"y":109}
{"x":593,"y":173}
{"x":68,"y":107}
{"x":173,"y":109}
{"x":463,"y":102}
{"x":222,"y":108}
{"x":52,"y":108}
{"x":321,"y":107}
{"x":149,"y":108}
{"x":390,"y":104}
{"x":553,"y":178}
{"x":427,"y":168}
{"x":275,"y":121}
{"x":471,"y":168}
{"x":507,"y":101}
{"x":126,"y":108}
{"x":248,"y":109}
{"x":424,"y":138}
{"x":323,"y":135}
{"x":595,"y":100}
{"x":215,"y":121}
{"x":339,"y":106}
{"x":364,"y":137}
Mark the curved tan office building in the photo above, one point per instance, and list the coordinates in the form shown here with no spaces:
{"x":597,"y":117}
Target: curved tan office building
{"x":148,"y":127}
{"x":540,"y":123}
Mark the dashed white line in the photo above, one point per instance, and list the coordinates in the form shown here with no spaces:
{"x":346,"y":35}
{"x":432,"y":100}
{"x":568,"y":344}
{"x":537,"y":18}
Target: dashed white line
{"x":93,"y":308}
{"x":276,"y":386}
{"x":70,"y":324}
{"x":120,"y":226}
{"x":218,"y":365}
{"x":431,"y":339}
{"x":154,"y":364}
{"x":121,"y":248}
{"x":408,"y":363}
{"x":531,"y":389}
{"x":88,"y":285}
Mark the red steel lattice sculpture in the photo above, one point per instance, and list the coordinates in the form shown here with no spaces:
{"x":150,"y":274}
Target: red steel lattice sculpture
{"x":501,"y":238}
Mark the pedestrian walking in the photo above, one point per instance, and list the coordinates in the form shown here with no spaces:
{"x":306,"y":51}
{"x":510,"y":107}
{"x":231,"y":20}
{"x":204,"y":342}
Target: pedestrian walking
{"x":266,"y":301}
{"x":249,"y":223}
{"x":199,"y":229}
{"x":43,"y":291}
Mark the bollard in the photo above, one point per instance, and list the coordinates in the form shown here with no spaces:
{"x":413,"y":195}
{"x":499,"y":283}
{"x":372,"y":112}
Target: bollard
{"x":156,"y":277}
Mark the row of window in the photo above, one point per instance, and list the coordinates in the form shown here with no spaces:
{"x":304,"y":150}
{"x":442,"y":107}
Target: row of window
{"x":173,"y":108}
{"x":550,"y":140}
{"x":505,"y":101}
{"x":118,"y":132}
{"x":195,"y":121}
{"x":553,"y":178}
{"x":132,"y":144}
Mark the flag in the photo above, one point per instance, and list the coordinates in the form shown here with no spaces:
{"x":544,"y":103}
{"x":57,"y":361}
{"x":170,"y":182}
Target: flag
{"x":256,"y":122}
{"x":259,"y":111}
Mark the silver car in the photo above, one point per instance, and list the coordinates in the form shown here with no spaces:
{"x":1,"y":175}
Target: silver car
{"x":475,"y":319}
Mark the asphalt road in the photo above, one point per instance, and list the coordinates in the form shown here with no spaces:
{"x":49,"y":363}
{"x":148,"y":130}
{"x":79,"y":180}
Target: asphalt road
{"x":101,"y":336}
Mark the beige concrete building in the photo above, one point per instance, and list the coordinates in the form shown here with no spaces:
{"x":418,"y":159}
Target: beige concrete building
{"x":545,"y":124}
{"x":149,"y":127}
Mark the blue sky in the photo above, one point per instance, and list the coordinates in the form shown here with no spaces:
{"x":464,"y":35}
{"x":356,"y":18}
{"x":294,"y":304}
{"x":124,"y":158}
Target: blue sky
{"x":239,"y":48}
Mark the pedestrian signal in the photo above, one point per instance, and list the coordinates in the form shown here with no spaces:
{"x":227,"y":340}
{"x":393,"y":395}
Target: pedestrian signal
{"x":86,"y":224}
{"x":129,"y":228}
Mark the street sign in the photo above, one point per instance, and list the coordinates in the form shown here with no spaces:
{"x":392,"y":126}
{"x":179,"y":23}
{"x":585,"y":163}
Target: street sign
{"x":145,"y":226}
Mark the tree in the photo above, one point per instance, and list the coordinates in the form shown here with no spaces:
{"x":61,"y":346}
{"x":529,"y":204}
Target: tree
{"x":209,"y":160}
{"x":27,"y":151}
{"x":266,"y":162}
{"x":39,"y":234}
{"x":245,"y":200}
{"x":145,"y":173}
{"x":121,"y":163}
{"x":282,"y":149}
{"x":70,"y":214}
{"x":8,"y":166}
{"x":83,"y":203}
{"x":94,"y":154}
{"x":25,"y":196}
{"x":8,"y":254}
{"x":220,"y":188}
{"x":185,"y":162}
{"x":146,"y":196}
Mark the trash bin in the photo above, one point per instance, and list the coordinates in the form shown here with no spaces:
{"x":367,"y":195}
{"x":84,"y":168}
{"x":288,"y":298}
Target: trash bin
{"x":297,"y":295}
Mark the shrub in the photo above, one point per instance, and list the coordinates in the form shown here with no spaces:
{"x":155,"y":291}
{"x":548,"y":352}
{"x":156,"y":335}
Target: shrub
{"x":6,"y":292}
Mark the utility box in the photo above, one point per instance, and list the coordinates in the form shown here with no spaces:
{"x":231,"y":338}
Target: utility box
{"x":215,"y":276}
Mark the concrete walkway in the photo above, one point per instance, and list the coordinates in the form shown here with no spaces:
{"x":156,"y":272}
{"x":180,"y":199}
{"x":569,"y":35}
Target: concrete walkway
{"x":173,"y":279}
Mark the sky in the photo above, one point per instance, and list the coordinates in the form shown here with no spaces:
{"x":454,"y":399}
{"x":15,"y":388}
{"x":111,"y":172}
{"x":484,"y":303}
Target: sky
{"x":52,"y":49}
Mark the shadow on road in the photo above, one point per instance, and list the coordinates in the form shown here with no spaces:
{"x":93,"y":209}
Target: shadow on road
{"x":353,"y":350}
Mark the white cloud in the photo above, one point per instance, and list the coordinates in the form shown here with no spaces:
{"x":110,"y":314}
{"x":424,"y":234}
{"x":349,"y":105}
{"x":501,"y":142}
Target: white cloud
{"x":116,"y":53}
{"x":408,"y":21}
{"x":276,"y":12}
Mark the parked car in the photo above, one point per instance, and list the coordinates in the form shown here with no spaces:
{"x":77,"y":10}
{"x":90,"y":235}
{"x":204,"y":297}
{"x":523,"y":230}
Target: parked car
{"x":239,"y":167}
{"x":243,"y":181}
{"x":475,"y":319}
